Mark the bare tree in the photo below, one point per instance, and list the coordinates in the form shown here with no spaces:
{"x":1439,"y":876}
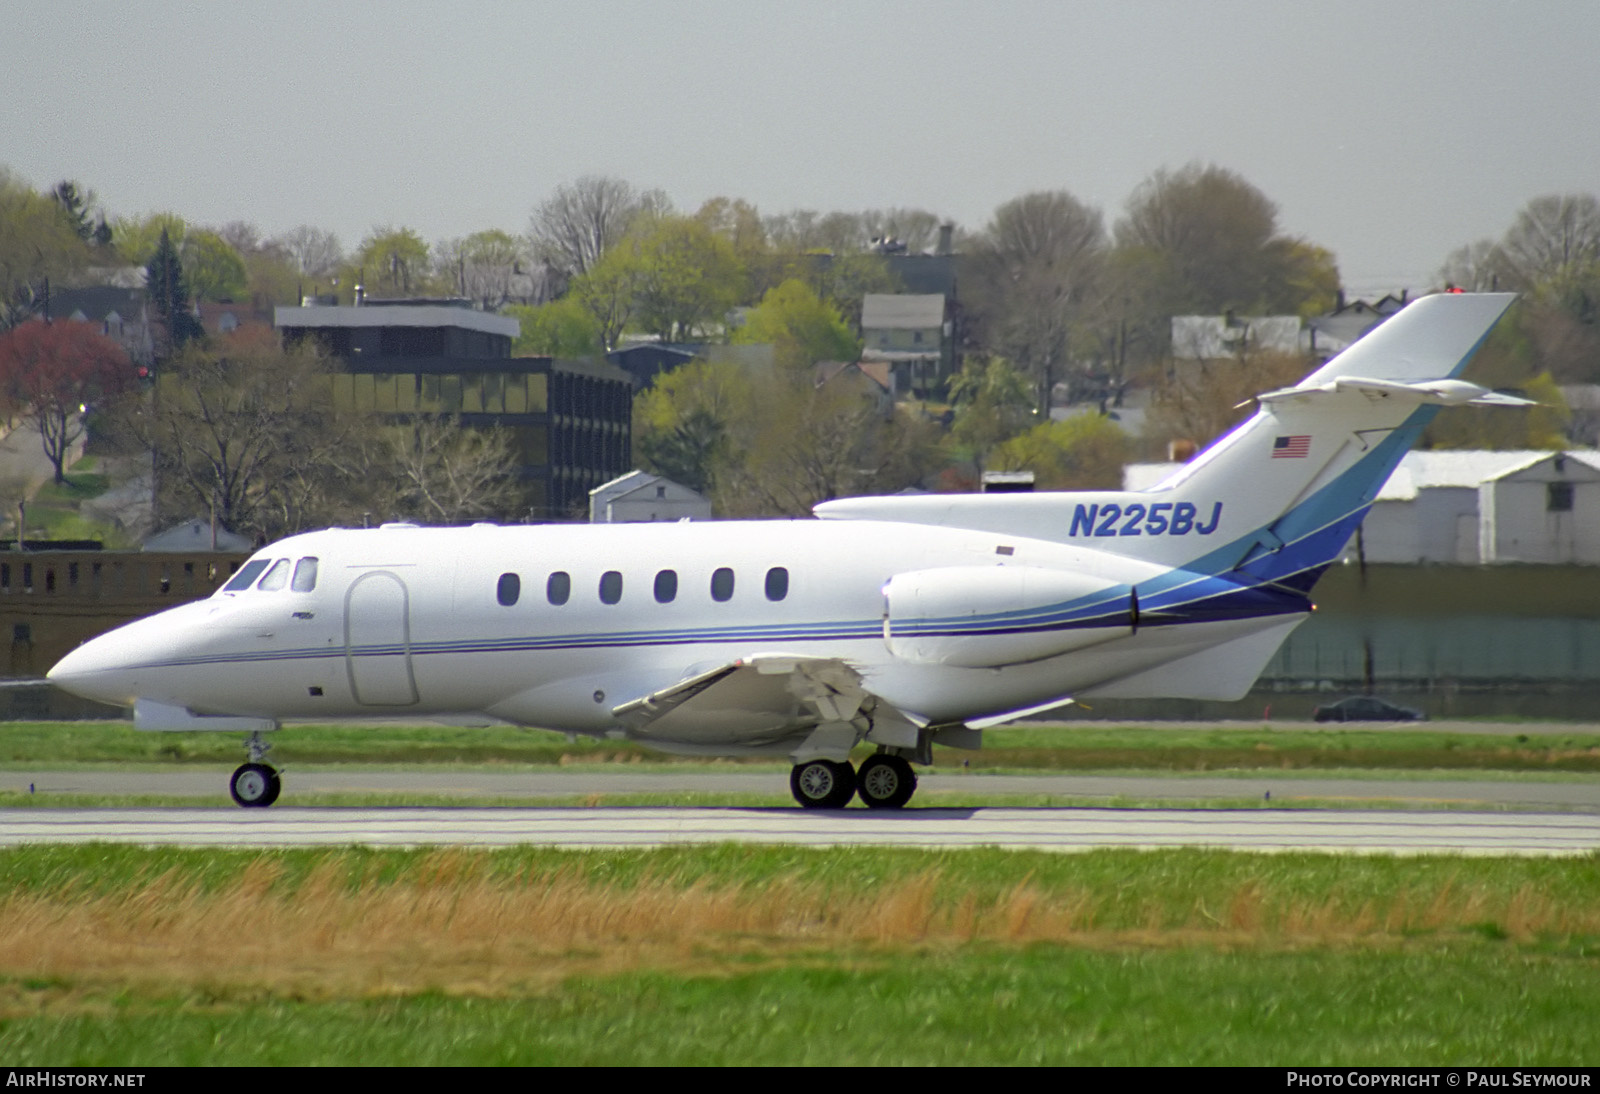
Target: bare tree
{"x":239,"y":429}
{"x":1477,"y":267}
{"x":918,"y":229}
{"x":574,"y":227}
{"x":438,"y":471}
{"x":1210,"y":230}
{"x":1036,"y":269}
{"x":314,"y":252}
{"x":1554,"y":242}
{"x":489,"y":267}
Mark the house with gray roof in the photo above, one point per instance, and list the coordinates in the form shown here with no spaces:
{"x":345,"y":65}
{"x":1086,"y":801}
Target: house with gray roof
{"x":912,"y":333}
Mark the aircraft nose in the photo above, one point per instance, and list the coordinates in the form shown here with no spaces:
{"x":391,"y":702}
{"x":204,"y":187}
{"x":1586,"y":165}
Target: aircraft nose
{"x":98,"y":669}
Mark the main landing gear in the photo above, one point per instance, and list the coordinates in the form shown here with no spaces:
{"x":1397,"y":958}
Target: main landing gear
{"x":255,"y":785}
{"x":885,"y":781}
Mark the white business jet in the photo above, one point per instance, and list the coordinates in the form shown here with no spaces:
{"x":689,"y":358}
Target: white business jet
{"x":891,"y":622}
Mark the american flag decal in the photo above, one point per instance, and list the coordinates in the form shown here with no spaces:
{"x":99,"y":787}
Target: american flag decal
{"x":1291,"y":448}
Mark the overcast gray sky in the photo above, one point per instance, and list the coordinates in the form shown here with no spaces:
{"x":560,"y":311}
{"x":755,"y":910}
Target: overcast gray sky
{"x":1390,"y":132}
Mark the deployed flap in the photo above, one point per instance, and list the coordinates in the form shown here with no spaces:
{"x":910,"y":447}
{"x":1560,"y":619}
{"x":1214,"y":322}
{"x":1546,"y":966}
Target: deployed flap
{"x":783,"y":691}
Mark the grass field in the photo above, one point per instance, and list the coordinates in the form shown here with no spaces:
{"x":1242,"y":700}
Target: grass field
{"x":742,"y":954}
{"x":752,"y":955}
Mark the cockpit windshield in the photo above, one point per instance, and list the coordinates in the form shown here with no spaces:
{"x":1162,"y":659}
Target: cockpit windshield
{"x":277,"y":576}
{"x":246,"y":576}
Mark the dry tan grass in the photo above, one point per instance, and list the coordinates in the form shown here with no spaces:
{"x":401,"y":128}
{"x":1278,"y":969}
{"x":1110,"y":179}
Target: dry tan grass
{"x":450,"y":928}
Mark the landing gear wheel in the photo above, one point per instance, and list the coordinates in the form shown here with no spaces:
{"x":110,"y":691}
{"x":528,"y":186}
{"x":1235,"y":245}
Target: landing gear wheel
{"x":254,"y":786}
{"x":822,"y":784}
{"x":885,"y":782}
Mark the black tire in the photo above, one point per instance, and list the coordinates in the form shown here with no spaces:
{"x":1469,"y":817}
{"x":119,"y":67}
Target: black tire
{"x":885,"y":782}
{"x":255,"y":786}
{"x":822,"y":784}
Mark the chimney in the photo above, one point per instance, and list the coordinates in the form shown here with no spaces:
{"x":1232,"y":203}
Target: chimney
{"x":946,"y":234}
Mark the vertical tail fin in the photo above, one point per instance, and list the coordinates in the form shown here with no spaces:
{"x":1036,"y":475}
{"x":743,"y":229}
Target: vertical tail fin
{"x":1300,"y":474}
{"x":1274,"y":500}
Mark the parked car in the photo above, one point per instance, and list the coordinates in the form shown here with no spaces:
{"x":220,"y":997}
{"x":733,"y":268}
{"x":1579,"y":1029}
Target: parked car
{"x":1366,"y":708}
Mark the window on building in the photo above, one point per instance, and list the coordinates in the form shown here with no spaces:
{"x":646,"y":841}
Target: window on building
{"x":558,"y":588}
{"x":777,"y":583}
{"x":666,"y":586}
{"x":610,"y":587}
{"x":722,"y":584}
{"x":508,"y":589}
{"x":1559,"y":498}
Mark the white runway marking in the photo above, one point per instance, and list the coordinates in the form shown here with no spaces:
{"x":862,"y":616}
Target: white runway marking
{"x":1406,"y":833}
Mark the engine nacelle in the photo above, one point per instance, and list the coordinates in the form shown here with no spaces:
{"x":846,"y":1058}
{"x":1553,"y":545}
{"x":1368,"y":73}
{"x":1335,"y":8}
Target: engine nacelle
{"x":990,"y":616}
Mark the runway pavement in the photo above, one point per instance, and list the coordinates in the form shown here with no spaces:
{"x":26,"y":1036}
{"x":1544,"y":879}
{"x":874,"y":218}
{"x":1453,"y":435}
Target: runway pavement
{"x":1578,"y":794}
{"x":1368,"y":832}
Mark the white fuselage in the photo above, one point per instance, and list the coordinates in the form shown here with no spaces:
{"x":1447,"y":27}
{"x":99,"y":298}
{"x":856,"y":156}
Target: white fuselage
{"x":414,"y":622}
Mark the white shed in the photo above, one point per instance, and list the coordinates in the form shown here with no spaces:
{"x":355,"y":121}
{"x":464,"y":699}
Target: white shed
{"x":640,"y":497}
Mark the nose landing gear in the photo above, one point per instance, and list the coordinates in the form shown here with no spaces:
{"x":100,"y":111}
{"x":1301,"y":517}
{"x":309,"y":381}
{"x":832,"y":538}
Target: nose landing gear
{"x":255,"y":785}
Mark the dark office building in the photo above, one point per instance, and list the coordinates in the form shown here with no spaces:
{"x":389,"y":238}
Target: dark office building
{"x":571,"y":419}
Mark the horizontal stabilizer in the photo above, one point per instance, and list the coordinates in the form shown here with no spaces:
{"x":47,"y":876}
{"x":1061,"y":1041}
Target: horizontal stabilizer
{"x":1441,"y":392}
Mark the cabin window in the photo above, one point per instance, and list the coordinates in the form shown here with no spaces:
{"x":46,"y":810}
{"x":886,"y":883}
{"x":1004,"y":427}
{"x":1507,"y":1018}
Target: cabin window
{"x":1559,"y":497}
{"x":722,"y":584}
{"x":509,"y":588}
{"x":243,"y":579}
{"x":610,"y":587}
{"x":666,"y":586}
{"x":777,"y":583}
{"x":305,"y":576}
{"x":558,"y":588}
{"x":276,"y":578}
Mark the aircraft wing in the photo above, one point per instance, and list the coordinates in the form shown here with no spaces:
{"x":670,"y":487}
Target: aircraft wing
{"x":779,"y":694}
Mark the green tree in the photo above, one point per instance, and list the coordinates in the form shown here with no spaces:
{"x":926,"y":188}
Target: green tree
{"x":688,"y":424}
{"x":394,"y":262}
{"x":169,"y":299}
{"x":561,"y":328}
{"x":1083,"y":452}
{"x":993,"y":403}
{"x":82,"y":211}
{"x":213,"y":269}
{"x":808,"y":443}
{"x":38,"y":248}
{"x":609,"y":292}
{"x":687,"y":278}
{"x":802,"y":328}
{"x":137,"y":238}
